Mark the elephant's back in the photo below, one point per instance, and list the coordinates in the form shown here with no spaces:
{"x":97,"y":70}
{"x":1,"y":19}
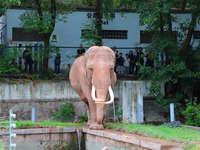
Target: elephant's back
{"x":74,"y":71}
{"x":75,"y":76}
{"x":100,"y":49}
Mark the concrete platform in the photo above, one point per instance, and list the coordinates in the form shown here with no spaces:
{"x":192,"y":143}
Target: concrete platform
{"x":140,"y":142}
{"x":94,"y":139}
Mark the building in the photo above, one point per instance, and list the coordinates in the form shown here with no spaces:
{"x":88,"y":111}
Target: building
{"x":123,"y":32}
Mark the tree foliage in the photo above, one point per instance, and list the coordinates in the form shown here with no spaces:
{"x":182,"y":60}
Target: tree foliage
{"x":176,"y":62}
{"x":6,"y":57}
{"x":4,"y":4}
{"x":43,"y":17}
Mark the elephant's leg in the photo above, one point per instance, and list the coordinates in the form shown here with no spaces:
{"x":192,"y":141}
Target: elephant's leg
{"x":93,"y":115}
{"x":89,"y":115}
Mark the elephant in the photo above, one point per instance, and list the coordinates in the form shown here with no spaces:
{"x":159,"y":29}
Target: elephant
{"x":92,"y":76}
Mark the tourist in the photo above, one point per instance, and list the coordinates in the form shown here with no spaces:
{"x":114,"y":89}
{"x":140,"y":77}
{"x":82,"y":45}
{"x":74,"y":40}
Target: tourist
{"x":57,"y":62}
{"x":120,"y":63}
{"x":126,"y":65}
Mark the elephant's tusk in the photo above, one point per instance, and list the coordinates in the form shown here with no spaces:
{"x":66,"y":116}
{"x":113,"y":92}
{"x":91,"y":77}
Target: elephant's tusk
{"x":94,"y":97}
{"x":111,"y":97}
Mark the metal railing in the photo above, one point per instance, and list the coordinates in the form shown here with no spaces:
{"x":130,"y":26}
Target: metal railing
{"x":68,"y":55}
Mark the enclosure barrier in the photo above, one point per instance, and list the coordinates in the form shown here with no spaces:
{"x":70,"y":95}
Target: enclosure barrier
{"x":12,"y":125}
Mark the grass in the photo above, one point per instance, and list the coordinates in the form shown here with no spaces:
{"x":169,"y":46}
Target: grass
{"x":30,"y":124}
{"x":191,"y":146}
{"x":182,"y":134}
{"x":2,"y":145}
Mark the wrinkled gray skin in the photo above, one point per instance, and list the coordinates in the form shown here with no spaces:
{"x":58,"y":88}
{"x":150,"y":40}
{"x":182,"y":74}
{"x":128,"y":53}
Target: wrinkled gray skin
{"x":95,"y":67}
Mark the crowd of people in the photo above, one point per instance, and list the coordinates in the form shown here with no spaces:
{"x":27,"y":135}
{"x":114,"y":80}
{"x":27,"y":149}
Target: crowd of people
{"x":128,"y":65}
{"x":132,"y":62}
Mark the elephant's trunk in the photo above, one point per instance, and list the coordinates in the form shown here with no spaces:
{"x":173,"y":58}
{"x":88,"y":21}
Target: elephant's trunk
{"x":100,"y":113}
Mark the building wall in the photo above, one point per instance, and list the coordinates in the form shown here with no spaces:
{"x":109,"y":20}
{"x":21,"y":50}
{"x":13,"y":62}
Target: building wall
{"x":69,"y":33}
{"x":3,"y":30}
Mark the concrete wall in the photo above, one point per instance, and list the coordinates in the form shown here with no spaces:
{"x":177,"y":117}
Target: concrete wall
{"x":43,"y":139}
{"x":3,"y":33}
{"x":82,"y":138}
{"x":47,"y":96}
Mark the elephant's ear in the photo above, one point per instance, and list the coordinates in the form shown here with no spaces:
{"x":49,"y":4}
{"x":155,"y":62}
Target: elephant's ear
{"x":84,"y":62}
{"x":86,"y":59}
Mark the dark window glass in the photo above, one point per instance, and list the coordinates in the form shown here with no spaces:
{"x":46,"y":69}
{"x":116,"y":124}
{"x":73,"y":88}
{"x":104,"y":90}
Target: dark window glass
{"x":20,"y":34}
{"x":145,"y":37}
{"x":112,"y":34}
{"x":196,"y":35}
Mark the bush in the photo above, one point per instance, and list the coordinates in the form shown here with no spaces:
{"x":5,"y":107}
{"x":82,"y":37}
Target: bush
{"x":192,"y":113}
{"x":119,"y":115}
{"x":65,"y":113}
{"x":173,"y":124}
{"x":84,"y":118}
{"x":30,"y":76}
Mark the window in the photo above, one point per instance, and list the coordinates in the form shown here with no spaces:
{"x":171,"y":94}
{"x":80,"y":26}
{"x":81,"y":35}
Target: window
{"x":19,"y":34}
{"x":145,"y":37}
{"x":196,"y":35}
{"x":112,"y":34}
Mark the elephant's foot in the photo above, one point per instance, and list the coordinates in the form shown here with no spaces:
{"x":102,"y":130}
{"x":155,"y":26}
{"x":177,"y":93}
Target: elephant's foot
{"x":95,"y":126}
{"x":88,"y":124}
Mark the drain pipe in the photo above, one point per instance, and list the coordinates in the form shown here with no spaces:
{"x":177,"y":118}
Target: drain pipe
{"x":172,"y":112}
{"x":33,"y":114}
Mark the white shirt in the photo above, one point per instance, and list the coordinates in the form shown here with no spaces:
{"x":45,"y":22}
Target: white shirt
{"x":126,"y":62}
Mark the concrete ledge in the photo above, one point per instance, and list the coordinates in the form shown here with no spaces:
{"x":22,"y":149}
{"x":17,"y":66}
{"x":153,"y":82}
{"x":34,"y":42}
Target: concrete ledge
{"x":193,"y":127}
{"x":110,"y":136}
{"x":42,"y":131}
{"x":145,"y":142}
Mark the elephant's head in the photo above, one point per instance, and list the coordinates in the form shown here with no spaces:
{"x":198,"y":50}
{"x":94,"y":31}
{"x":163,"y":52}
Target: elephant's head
{"x":99,"y":70}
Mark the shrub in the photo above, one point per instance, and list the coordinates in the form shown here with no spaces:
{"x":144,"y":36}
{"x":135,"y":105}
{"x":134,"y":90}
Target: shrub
{"x":192,"y":113}
{"x":84,"y":118}
{"x":173,"y":124}
{"x":119,"y":115}
{"x":30,"y":76}
{"x":65,"y":113}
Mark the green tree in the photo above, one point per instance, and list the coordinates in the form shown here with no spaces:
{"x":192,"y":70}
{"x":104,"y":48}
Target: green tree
{"x":42,"y":18}
{"x":181,"y":69}
{"x":6,"y":56}
{"x":6,"y":4}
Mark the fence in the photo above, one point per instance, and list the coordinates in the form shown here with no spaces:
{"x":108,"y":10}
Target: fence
{"x":68,"y":55}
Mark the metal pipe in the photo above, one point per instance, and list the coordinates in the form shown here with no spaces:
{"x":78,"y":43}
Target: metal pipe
{"x":33,"y":114}
{"x":172,"y":118}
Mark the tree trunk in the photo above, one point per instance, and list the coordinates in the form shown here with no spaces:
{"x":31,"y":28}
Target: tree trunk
{"x":190,"y":32}
{"x":98,"y":23}
{"x":47,"y":35}
{"x":46,"y":53}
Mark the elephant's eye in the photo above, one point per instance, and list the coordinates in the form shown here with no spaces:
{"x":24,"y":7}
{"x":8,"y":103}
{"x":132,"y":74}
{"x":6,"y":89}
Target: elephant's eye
{"x":91,"y":69}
